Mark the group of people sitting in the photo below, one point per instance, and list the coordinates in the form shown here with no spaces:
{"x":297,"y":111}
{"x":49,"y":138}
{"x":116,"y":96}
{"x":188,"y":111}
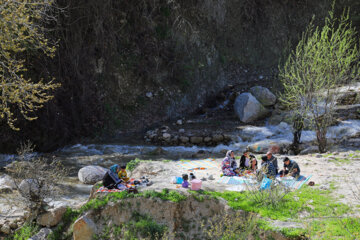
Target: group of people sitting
{"x":115,"y":177}
{"x":249,"y":164}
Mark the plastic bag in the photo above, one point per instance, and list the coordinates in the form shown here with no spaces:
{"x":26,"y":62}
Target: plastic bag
{"x":265,"y":183}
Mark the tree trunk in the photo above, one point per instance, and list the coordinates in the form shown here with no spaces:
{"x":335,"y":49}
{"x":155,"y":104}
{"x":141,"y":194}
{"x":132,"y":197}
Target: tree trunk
{"x":321,"y":138}
{"x":298,"y":125}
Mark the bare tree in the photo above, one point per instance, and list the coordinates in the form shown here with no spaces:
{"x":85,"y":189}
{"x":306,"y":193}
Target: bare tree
{"x":37,"y":179}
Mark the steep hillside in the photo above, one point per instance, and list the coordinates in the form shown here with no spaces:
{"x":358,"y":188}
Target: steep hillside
{"x":126,"y":65}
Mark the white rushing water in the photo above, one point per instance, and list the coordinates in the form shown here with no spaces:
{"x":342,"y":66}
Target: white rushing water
{"x":248,"y":135}
{"x":281,"y":133}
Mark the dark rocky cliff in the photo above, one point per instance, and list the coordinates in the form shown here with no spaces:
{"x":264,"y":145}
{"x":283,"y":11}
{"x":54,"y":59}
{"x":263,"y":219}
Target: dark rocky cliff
{"x":126,"y":65}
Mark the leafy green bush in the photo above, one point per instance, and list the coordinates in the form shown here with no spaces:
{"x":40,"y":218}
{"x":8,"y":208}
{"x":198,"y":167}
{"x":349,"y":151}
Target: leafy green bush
{"x":25,"y":232}
{"x":130,"y":166}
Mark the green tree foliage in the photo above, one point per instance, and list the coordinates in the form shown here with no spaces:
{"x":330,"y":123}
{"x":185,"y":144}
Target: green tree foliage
{"x":22,"y":33}
{"x":323,"y":59}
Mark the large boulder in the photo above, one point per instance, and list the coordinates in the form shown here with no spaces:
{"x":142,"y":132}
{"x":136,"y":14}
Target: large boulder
{"x":263,"y":95}
{"x":29,"y":188}
{"x":91,"y":174}
{"x":248,"y":108}
{"x":84,"y":229}
{"x":52,"y":217}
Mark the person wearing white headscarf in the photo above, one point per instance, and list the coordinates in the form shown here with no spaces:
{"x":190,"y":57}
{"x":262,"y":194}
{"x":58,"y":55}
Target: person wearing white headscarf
{"x":228,"y":165}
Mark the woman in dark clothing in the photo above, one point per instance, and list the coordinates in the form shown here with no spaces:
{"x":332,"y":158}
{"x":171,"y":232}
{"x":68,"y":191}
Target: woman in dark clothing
{"x":111,"y":179}
{"x":245,"y":160}
{"x":254,"y":165}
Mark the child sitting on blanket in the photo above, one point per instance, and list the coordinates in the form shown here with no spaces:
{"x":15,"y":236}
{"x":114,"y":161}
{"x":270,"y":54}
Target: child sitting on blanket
{"x":123,"y":174}
{"x":228,"y":165}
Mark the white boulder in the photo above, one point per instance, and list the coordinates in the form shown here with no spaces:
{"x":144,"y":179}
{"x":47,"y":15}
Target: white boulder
{"x":91,"y":174}
{"x":248,"y":108}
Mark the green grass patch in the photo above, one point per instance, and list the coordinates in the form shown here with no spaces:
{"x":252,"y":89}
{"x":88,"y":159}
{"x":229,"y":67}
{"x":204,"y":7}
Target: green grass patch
{"x":294,"y":233}
{"x":335,"y":228}
{"x":165,"y":194}
{"x":317,"y":202}
{"x":184,"y":160}
{"x":25,"y":232}
{"x":100,"y":202}
{"x":139,"y":226}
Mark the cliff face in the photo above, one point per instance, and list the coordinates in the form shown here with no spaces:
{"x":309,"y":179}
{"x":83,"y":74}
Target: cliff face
{"x":125,"y":65}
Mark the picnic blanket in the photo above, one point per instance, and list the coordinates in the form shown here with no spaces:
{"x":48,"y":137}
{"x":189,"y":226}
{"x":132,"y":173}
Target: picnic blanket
{"x":198,"y":164}
{"x":235,"y":180}
{"x":289,"y":182}
{"x":104,"y":189}
{"x":295,"y":183}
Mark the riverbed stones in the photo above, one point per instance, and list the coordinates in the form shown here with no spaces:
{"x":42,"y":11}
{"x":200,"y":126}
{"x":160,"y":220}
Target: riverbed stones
{"x":42,"y":234}
{"x":263,"y":95}
{"x":84,"y":229}
{"x":91,"y":174}
{"x":196,"y":140}
{"x":218,"y":138}
{"x":207,"y":139}
{"x":166,"y":136}
{"x":52,"y":217}
{"x":248,"y":108}
{"x":184,"y":139}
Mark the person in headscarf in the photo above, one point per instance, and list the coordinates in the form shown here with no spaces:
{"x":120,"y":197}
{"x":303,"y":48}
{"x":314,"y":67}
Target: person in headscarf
{"x":228,"y":165}
{"x":111,"y":178}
